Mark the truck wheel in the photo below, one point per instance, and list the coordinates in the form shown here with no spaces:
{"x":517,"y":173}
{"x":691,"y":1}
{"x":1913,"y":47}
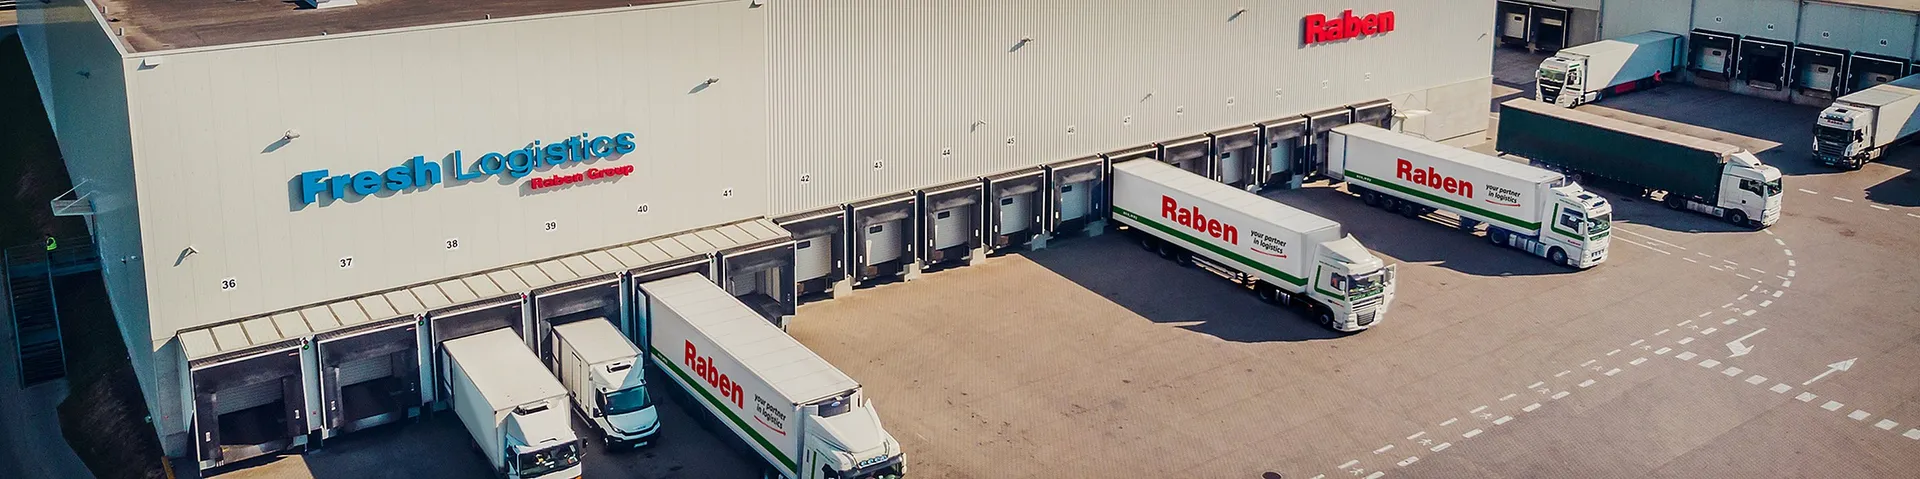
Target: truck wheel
{"x":1410,"y":210}
{"x":1369,"y":197}
{"x":1496,"y":236}
{"x":1166,"y":250}
{"x":1737,"y":217}
{"x":1147,"y":242}
{"x":1675,"y":201}
{"x":1326,"y":317}
{"x":1266,"y":293}
{"x":1557,"y":256}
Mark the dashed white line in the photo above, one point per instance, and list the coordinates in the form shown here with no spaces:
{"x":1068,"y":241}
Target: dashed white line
{"x":1637,"y":362}
{"x":1710,"y":363}
{"x":1589,"y":362}
{"x":1663,"y":331}
{"x":1743,"y":276}
{"x":1702,"y":315}
{"x":1756,"y":379}
{"x":1409,"y":460}
{"x":1530,"y":407}
{"x":1685,"y":355}
{"x":1776,"y":294}
{"x":1913,"y":215}
{"x":1376,"y":475}
{"x":1858,"y":415}
{"x":1637,"y":342}
{"x":1563,"y":373}
{"x":1322,"y":476}
{"x":1416,"y":435}
{"x":1730,"y":321}
{"x":1791,"y":263}
{"x":1781,"y":388}
{"x":1843,"y":199}
{"x":1703,"y":254}
{"x":1382,"y":449}
{"x":1780,"y":242}
{"x":1881,"y":208}
{"x":1636,"y":243}
{"x":1613,"y":352}
{"x":1613,"y":371}
{"x":1504,"y":419}
{"x":1788,"y":252}
{"x":1786,"y":284}
{"x":1450,"y":421}
{"x":1806,"y":397}
{"x":1586,"y":383}
{"x":1561,"y":394}
{"x":1689,"y":259}
{"x":1807,"y":191}
{"x":1757,"y":270}
{"x":1708,"y":331}
{"x":1766,"y":303}
{"x":1471,"y":434}
{"x":1748,"y":313}
{"x":1728,"y":261}
{"x":1886,"y":425}
{"x":1477,"y":410}
{"x":1348,"y":464}
{"x":1536,"y":384}
{"x":1508,"y":396}
{"x":1686,"y":340}
{"x":1725,"y":306}
{"x":1790,"y":273}
{"x":1732,"y":371}
{"x":1442,"y":446}
{"x":1913,"y":434}
{"x":1831,"y":406}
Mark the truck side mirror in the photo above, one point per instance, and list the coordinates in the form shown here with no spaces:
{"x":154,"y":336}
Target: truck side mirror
{"x":596,"y":413}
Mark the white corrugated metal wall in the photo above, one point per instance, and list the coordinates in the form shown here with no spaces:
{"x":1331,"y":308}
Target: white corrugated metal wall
{"x":1773,"y":19}
{"x":1860,"y":30}
{"x":1626,"y":17}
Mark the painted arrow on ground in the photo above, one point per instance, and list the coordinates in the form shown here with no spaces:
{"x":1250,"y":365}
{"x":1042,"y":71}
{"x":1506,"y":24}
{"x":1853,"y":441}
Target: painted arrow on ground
{"x":1740,"y":349}
{"x":1832,"y":368}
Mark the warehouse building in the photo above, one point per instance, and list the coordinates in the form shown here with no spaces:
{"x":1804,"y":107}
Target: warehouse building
{"x":295,"y":206}
{"x":1804,"y":51}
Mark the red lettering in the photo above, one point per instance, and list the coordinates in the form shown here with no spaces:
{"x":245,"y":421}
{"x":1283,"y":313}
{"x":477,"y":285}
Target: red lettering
{"x":1194,"y":219}
{"x":1168,"y":207}
{"x":1316,"y":24}
{"x":1317,"y":28}
{"x":1451,"y":186}
{"x":1431,"y":178}
{"x":703,"y":367}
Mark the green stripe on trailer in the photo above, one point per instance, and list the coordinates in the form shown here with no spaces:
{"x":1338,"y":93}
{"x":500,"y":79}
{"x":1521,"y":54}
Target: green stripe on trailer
{"x":1297,"y":281}
{"x":784,"y":460}
{"x":1529,"y":226}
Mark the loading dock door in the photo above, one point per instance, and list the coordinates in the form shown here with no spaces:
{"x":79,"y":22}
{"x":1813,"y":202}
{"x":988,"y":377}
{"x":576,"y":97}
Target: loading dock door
{"x":1865,"y":71}
{"x":883,"y":242}
{"x":820,"y":254}
{"x":1012,"y":216}
{"x":1818,"y":71}
{"x":951,"y":222}
{"x":1711,"y":54}
{"x":1320,"y":123}
{"x":1237,"y":157}
{"x":1763,"y":63}
{"x":1191,"y":154}
{"x":1286,"y":144}
{"x":467,"y":320}
{"x":812,"y":257}
{"x":369,"y":375}
{"x":762,"y":278}
{"x":248,"y":404}
{"x":587,"y":299}
{"x":641,"y":332}
{"x":1077,"y":191}
{"x":884,"y":237}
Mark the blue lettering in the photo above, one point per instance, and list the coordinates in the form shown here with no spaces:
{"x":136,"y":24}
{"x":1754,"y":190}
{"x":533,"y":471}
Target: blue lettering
{"x":492,"y":167}
{"x":366,"y":183}
{"x":339,"y":184}
{"x":311,"y":184}
{"x":623,"y":143}
{"x":425,"y":173}
{"x":459,"y":173}
{"x":602,"y":147}
{"x":556,"y":154}
{"x":398,"y":178}
{"x":573,"y":147}
{"x":519,"y":163}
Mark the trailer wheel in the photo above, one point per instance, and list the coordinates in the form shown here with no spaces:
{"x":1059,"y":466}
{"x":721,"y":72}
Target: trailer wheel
{"x":1674,"y":201}
{"x":1147,"y":242}
{"x":1266,"y":293}
{"x":1737,"y":217}
{"x":1496,"y":236}
{"x":1369,"y":197}
{"x":1167,"y":250}
{"x":1409,"y":209}
{"x":1559,"y":257}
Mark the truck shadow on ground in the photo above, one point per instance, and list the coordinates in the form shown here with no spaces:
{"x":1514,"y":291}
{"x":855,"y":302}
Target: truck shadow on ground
{"x":1630,"y":208}
{"x":1779,"y":133}
{"x":1903,"y":190}
{"x":1433,"y":238}
{"x":1164,"y":292}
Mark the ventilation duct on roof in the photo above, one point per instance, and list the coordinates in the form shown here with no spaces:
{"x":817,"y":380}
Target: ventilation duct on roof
{"x":325,"y":3}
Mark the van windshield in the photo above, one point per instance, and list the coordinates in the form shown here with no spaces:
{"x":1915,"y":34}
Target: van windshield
{"x":549,"y":460}
{"x":628,"y":400}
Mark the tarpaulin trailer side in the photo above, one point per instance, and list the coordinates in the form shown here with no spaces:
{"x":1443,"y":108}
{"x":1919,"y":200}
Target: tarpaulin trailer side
{"x":884,"y":238}
{"x":819,"y":250}
{"x":950,"y":217}
{"x":1015,"y":213}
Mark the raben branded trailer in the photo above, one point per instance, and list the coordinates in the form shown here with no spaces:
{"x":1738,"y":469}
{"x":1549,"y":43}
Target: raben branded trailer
{"x":1589,"y":72}
{"x":511,"y":405}
{"x":1858,"y":127}
{"x":1286,"y":255}
{"x":1704,"y":176}
{"x":1528,"y":208}
{"x":604,"y":374}
{"x":805,"y":417}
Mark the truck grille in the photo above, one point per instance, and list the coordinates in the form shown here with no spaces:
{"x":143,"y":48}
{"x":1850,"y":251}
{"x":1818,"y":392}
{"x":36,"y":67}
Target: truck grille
{"x":1365,"y":310}
{"x":1831,"y":149}
{"x":1366,"y":318}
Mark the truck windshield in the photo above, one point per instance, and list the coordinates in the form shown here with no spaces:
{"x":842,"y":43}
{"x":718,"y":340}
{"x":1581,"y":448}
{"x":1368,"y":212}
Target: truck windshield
{"x":628,"y":400}
{"x":1827,"y":134}
{"x":1367,"y":285}
{"x":545,"y":461}
{"x":1773,"y":188}
{"x":1555,"y":76}
{"x":1598,"y":225}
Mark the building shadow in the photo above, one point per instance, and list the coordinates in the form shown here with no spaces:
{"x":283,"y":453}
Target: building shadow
{"x":1903,"y":190}
{"x":1115,"y":267}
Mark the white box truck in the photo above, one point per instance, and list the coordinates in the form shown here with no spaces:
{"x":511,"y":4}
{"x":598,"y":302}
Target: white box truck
{"x":604,"y":374}
{"x":1858,"y":127}
{"x":1286,"y":255}
{"x":806,"y":418}
{"x":511,"y":405}
{"x":1528,"y":208}
{"x":1589,"y":72}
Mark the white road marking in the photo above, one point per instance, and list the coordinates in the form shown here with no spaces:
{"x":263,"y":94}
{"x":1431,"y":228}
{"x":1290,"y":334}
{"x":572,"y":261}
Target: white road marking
{"x":1807,"y":191}
{"x":1806,"y":397}
{"x":1913,"y":434}
{"x":1792,"y":263}
{"x":1348,"y":464}
{"x":1831,"y":406}
{"x":1878,"y":207}
{"x":1382,"y":449}
{"x":1748,"y":313}
{"x":1613,"y":352}
{"x":1733,"y":371}
{"x":1471,"y":434}
{"x":1743,"y":276}
{"x":1689,"y":259}
{"x":1710,"y":363}
{"x":1788,"y":251}
{"x":1477,"y":410}
{"x":1562,"y":373}
{"x":1913,"y":215}
{"x":1730,"y":321}
{"x":1725,"y":306}
{"x":1686,"y":340}
{"x":1663,"y":331}
{"x":1702,"y":315}
{"x":1790,"y":273}
{"x":1450,"y":421}
{"x":1376,"y":475}
{"x":1728,"y":261}
{"x":1637,"y":362}
{"x":1653,"y":239}
{"x":1703,"y":254}
{"x":1685,"y":355}
{"x":1409,"y":460}
{"x":1769,"y":232}
{"x":1843,"y":199}
{"x":1322,"y":476}
{"x":1416,"y":435}
{"x":1766,"y":303}
{"x":1858,"y":415}
{"x":1442,"y":446}
{"x":1530,"y":407}
{"x":1508,"y":396}
{"x":1787,"y":284}
{"x":1636,"y":243}
{"x":1561,"y":394}
{"x":1756,"y":379}
{"x":1613,"y":371}
{"x":1780,"y":242}
{"x":1661,"y":351}
{"x":1776,"y":294}
{"x":1757,"y":270}
{"x":1589,"y":362}
{"x":1504,"y":419}
{"x":1781,"y":388}
{"x":1742,"y":297}
{"x":1637,"y":342}
{"x":1886,"y":425}
{"x":1586,"y":383}
{"x":1537,"y":384}
{"x":1708,"y":331}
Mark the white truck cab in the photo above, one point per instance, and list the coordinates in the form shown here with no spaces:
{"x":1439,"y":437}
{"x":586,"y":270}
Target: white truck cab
{"x":845,"y":440}
{"x":1748,"y":186}
{"x":1582,"y":225}
{"x":604,"y":375}
{"x":1354,"y":283}
{"x":542,"y":441}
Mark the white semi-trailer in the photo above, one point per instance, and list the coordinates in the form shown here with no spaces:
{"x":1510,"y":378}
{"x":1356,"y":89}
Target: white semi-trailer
{"x":1286,"y":255}
{"x":1528,"y":208}
{"x":1589,"y":72}
{"x":515,"y":410}
{"x":603,"y":373}
{"x":1858,"y":127}
{"x":805,"y":417}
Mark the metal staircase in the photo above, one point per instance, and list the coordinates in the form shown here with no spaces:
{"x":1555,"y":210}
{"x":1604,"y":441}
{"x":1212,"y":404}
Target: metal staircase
{"x":30,"y":271}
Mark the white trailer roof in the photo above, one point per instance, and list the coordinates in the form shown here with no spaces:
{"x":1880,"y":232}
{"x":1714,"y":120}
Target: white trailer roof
{"x":596,"y":340}
{"x":1628,"y":42}
{"x":1218,"y":193}
{"x":785,"y":364}
{"x":1510,"y":169}
{"x":1886,"y":93}
{"x":280,"y":326}
{"x":503,"y":369}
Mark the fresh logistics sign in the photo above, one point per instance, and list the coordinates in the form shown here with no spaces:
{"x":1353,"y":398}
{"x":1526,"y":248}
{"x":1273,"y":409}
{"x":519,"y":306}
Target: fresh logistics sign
{"x":1319,"y":29}
{"x":420,"y":172}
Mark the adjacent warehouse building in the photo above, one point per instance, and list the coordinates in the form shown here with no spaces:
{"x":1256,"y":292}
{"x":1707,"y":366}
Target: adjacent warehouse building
{"x":296,"y":206}
{"x":1805,"y":51}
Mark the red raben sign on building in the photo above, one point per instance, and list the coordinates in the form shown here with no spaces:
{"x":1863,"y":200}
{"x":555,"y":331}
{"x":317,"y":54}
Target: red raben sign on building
{"x":1319,"y":29}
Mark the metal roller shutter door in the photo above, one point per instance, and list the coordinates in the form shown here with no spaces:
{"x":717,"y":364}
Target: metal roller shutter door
{"x":249,"y":396}
{"x":363,"y":370}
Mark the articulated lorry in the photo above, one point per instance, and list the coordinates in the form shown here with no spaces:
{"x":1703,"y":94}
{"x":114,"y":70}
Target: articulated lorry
{"x":603,"y":373}
{"x":511,"y":405}
{"x":805,"y":417}
{"x":1703,"y":176}
{"x":1589,"y":72}
{"x":1527,"y":208}
{"x":1858,"y":127}
{"x":1287,"y":256}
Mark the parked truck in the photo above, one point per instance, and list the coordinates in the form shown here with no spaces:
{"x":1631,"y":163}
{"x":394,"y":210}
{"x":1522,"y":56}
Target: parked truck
{"x":1703,"y":176}
{"x":511,"y":405}
{"x":1524,"y":207}
{"x":1285,"y":255}
{"x":604,"y":374}
{"x":805,"y":417}
{"x":1589,"y":72}
{"x":1858,"y":127}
